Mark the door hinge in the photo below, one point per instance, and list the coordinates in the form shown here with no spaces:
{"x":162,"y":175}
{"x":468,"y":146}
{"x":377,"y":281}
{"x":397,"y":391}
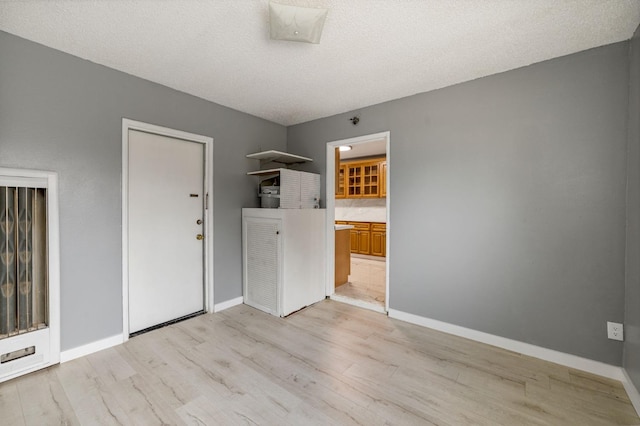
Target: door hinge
{"x":206,"y":202}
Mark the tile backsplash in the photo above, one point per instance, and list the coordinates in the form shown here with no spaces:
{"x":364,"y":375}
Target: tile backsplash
{"x":361,"y":210}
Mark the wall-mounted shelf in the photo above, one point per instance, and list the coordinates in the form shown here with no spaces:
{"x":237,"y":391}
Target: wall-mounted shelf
{"x":278,"y":157}
{"x":264,"y":172}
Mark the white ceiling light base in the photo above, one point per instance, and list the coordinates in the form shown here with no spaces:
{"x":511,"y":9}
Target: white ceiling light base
{"x":294,"y":23}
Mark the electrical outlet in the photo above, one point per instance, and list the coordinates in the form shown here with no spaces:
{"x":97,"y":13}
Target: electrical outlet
{"x":615,"y":331}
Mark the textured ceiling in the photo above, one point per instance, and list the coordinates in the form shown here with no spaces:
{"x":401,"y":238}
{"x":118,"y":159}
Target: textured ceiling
{"x":371,"y":51}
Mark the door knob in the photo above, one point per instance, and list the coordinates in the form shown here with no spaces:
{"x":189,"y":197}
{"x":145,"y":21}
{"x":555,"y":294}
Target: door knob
{"x":199,"y":221}
{"x":199,"y":237}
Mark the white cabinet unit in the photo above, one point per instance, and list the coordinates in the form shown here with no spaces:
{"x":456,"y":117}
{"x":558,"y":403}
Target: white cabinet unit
{"x":283,"y":255}
{"x":298,"y":190}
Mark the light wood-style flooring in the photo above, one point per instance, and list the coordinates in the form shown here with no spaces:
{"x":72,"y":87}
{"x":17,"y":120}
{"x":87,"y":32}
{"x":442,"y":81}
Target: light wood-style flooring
{"x":329,"y":364}
{"x":367,"y":280}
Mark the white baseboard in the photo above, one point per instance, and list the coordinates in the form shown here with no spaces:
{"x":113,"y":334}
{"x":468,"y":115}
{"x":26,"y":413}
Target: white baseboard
{"x":632,"y":391}
{"x":99,"y":345}
{"x":228,"y":304}
{"x":90,"y":348}
{"x":568,"y":360}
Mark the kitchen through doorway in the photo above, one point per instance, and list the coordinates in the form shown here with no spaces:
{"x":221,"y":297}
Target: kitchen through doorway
{"x":359,"y":224}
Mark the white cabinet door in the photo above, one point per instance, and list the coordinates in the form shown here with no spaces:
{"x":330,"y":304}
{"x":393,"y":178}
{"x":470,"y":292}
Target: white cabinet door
{"x":299,"y":190}
{"x":289,"y":189}
{"x":309,"y":190}
{"x":261,"y":260}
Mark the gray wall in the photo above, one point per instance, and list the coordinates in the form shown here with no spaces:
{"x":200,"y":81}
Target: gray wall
{"x":632,"y":299}
{"x":507,"y":199}
{"x":61,"y":113}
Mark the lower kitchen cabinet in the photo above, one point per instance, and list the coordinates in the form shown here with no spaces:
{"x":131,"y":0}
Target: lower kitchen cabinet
{"x":378,"y":239}
{"x":368,"y":238}
{"x":360,"y":237}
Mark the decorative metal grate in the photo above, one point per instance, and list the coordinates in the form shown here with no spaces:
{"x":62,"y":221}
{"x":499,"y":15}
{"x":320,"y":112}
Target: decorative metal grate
{"x":23,"y":260}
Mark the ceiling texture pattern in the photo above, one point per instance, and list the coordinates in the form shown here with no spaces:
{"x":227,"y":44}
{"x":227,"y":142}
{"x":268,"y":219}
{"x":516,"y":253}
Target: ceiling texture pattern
{"x":371,"y":51}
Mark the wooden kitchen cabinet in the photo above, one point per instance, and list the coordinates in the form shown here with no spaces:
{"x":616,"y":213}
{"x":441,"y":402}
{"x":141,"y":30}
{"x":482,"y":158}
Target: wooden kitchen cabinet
{"x":383,"y":179}
{"x":371,"y":179}
{"x":361,"y":179}
{"x":360,"y":237}
{"x":368,"y":238}
{"x":354,"y":180}
{"x":364,"y":238}
{"x":353,"y":241}
{"x":342,"y":257}
{"x":341,"y":191}
{"x":379,"y":239}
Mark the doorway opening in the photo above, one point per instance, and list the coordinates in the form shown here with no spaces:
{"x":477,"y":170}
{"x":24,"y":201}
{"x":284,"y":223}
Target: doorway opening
{"x":167,"y":218}
{"x":358,"y":222}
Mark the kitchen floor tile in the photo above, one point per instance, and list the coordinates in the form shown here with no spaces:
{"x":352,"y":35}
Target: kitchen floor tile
{"x":367,"y":281}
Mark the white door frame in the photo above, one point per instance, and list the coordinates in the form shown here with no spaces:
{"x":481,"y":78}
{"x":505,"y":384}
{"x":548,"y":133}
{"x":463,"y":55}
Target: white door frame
{"x":331,"y":205}
{"x":208,"y":223}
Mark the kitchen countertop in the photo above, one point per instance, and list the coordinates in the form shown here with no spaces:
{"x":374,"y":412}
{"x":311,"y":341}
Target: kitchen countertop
{"x":341,"y":227}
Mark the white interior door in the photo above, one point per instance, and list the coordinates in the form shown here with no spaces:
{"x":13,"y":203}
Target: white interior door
{"x":165,"y":219}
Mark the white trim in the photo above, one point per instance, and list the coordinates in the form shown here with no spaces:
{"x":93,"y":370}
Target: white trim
{"x":29,"y":182}
{"x":358,"y":303}
{"x":388,"y":225}
{"x":208,"y":226}
{"x":568,"y":360}
{"x":331,"y":207}
{"x":53,"y":247}
{"x":127,"y":125}
{"x":90,"y":348}
{"x":228,"y":304}
{"x":632,"y":391}
{"x":53,"y":222}
{"x":39,"y":176}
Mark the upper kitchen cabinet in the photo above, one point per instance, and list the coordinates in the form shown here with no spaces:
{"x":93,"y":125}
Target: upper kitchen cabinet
{"x":361,"y":179}
{"x":383,"y":179}
{"x":341,"y":190}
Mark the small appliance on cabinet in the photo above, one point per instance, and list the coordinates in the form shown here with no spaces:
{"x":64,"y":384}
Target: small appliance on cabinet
{"x":283,"y":255}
